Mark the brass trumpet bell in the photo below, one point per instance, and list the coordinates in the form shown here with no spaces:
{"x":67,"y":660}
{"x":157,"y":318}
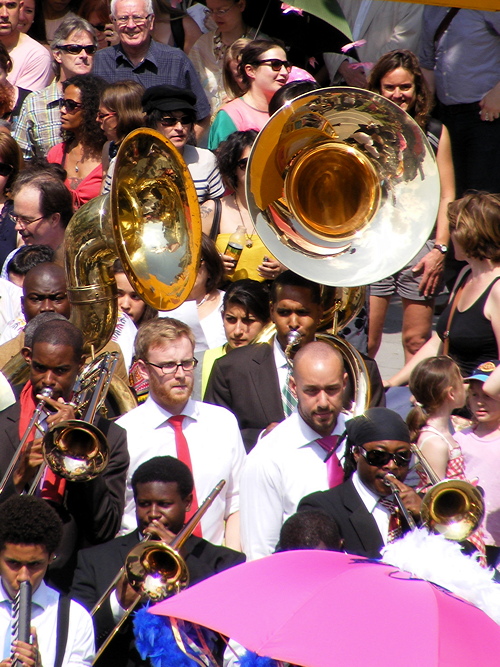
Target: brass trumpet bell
{"x":156,"y":570}
{"x":343,"y":186}
{"x":453,"y":508}
{"x":75,"y":450}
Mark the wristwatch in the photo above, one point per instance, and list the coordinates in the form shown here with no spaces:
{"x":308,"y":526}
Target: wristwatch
{"x":441,"y":247}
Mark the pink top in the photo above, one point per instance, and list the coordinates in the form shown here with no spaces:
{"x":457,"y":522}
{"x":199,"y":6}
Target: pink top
{"x":88,"y":188}
{"x":482,"y":461}
{"x":244,"y":116}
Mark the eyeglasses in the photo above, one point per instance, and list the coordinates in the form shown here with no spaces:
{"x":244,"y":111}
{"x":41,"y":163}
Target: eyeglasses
{"x":379,"y":457}
{"x":170,"y":367}
{"x":6,"y":169}
{"x":75,"y":49}
{"x":137,"y":20}
{"x":171,"y":121}
{"x":219,"y":12}
{"x":100,"y":27}
{"x":242,"y":164}
{"x":70,"y":105}
{"x":276,"y":64}
{"x":102,"y":116}
{"x":21,"y":220}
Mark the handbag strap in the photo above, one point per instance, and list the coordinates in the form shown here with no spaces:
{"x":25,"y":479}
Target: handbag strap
{"x":443,"y":26}
{"x":454,"y":304}
{"x":214,"y":230}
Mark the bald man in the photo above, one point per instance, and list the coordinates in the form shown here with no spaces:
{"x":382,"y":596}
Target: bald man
{"x":44,"y":291}
{"x":299,"y":456}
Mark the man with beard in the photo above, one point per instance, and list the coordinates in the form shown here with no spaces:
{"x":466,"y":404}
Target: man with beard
{"x":205,"y":437}
{"x":299,"y":455}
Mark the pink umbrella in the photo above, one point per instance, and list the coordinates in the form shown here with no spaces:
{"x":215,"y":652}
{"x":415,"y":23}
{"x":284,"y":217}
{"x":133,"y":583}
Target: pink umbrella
{"x":323,"y":608}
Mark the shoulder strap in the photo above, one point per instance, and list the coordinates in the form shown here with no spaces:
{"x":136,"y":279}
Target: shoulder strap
{"x":177,"y":28}
{"x":62,"y":628}
{"x":214,"y":230}
{"x":443,"y":26}
{"x":446,"y":335}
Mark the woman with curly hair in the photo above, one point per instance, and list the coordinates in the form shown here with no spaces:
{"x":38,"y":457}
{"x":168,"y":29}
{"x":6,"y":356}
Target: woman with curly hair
{"x":397,"y":76}
{"x":80,"y":153}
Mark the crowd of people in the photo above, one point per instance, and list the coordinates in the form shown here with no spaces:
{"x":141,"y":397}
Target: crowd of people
{"x":214,"y":390}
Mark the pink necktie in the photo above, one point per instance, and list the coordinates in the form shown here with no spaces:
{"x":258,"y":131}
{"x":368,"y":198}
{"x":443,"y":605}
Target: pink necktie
{"x":334,"y":469}
{"x":183,"y":455}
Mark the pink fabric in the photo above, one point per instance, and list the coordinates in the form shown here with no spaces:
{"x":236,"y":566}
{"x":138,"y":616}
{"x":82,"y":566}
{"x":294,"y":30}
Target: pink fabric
{"x":298,"y":74}
{"x":91,"y":184}
{"x":31,"y":65}
{"x":244,"y":116}
{"x":334,"y":469}
{"x":307,"y":608}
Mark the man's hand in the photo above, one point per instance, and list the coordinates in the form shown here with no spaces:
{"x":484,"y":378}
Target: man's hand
{"x":410,"y":499}
{"x":63,"y":411}
{"x":159,"y":531}
{"x":431,"y":266}
{"x":352,"y":75}
{"x":27,"y":654}
{"x":31,"y":460}
{"x":125,"y":594}
{"x":490,"y":104}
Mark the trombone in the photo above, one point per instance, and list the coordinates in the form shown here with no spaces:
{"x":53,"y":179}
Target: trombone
{"x":154,"y":569}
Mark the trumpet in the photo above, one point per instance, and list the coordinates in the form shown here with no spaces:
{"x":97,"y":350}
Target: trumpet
{"x":155,"y":570}
{"x":389,"y":480}
{"x":293,"y":340}
{"x":9,"y":473}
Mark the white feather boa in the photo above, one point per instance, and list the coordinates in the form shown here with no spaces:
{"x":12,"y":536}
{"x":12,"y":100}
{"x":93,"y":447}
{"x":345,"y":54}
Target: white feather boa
{"x":434,"y":558}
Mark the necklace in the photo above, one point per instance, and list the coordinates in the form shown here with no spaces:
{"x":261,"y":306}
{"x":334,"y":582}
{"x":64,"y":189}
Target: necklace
{"x":249,"y":242}
{"x":219,"y":48}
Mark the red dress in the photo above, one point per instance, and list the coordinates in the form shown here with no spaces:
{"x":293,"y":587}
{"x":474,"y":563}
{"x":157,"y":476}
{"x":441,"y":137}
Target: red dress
{"x":87,"y":188}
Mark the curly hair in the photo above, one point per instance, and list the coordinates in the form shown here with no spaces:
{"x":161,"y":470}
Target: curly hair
{"x":475,"y":223}
{"x":409,"y":62}
{"x":229,"y":154}
{"x":29,"y":520}
{"x":91,"y":88}
{"x":165,"y":469}
{"x":429,"y":383}
{"x":5,"y":59}
{"x":10,"y":154}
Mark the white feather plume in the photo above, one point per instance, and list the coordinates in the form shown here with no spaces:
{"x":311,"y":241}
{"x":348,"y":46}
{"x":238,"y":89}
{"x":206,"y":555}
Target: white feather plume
{"x":434,"y":558}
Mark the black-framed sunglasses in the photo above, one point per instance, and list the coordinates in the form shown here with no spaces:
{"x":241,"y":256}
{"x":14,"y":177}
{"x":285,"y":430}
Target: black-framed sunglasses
{"x":70,"y":105}
{"x":276,"y":64}
{"x":171,"y":121}
{"x":170,"y":367}
{"x":379,"y":457}
{"x":100,"y":27}
{"x":6,"y":169}
{"x":75,"y":49}
{"x":242,"y":164}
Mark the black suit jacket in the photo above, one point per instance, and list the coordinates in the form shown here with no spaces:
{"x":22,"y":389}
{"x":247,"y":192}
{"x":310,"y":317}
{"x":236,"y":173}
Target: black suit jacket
{"x":246,"y":382}
{"x":98,"y":566}
{"x":92,"y":510}
{"x":357,"y":526}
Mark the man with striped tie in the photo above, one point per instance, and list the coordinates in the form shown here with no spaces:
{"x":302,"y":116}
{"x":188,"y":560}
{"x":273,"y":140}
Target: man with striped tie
{"x":62,"y":633}
{"x":298,"y":456}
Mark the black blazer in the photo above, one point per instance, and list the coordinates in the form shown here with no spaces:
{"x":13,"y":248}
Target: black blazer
{"x":357,"y":526}
{"x":93,"y":510}
{"x":246,"y":382}
{"x":98,"y":566}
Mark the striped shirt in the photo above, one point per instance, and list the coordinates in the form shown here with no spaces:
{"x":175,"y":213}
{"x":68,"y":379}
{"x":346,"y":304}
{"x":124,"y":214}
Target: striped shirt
{"x":204,"y":171}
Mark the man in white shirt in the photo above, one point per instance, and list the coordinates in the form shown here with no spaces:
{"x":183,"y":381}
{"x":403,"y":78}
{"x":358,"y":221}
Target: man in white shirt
{"x":378,"y":444}
{"x":289,"y":462}
{"x":30,"y":532}
{"x":170,"y":422}
{"x":31,"y":62}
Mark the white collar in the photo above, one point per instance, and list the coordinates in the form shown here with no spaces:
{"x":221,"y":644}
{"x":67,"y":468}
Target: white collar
{"x":155,"y":415}
{"x":41,"y":597}
{"x":279,"y":354}
{"x":369,"y":498}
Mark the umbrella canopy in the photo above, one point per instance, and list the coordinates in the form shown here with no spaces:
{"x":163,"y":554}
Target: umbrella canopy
{"x":322,"y":608}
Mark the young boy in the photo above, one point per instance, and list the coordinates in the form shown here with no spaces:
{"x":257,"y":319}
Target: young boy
{"x":481,"y":449}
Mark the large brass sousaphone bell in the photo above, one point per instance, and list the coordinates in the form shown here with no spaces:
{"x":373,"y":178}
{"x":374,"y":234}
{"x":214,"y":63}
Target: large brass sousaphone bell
{"x":150,"y":221}
{"x":343,"y":186}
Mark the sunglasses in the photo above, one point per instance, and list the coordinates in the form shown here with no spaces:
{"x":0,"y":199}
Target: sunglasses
{"x":100,"y":27}
{"x":102,"y":116}
{"x":379,"y":457}
{"x":75,"y":49}
{"x":6,"y":169}
{"x":170,"y":121}
{"x":242,"y":164}
{"x":276,"y":64}
{"x":70,"y":105}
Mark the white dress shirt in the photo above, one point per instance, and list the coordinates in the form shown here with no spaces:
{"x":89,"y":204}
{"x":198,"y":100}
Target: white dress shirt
{"x":282,"y":468}
{"x":216,"y":451}
{"x":80,"y":647}
{"x":371,"y":501}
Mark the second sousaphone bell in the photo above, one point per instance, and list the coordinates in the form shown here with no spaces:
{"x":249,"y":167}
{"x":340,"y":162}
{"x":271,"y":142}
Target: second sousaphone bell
{"x":343,"y":186}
